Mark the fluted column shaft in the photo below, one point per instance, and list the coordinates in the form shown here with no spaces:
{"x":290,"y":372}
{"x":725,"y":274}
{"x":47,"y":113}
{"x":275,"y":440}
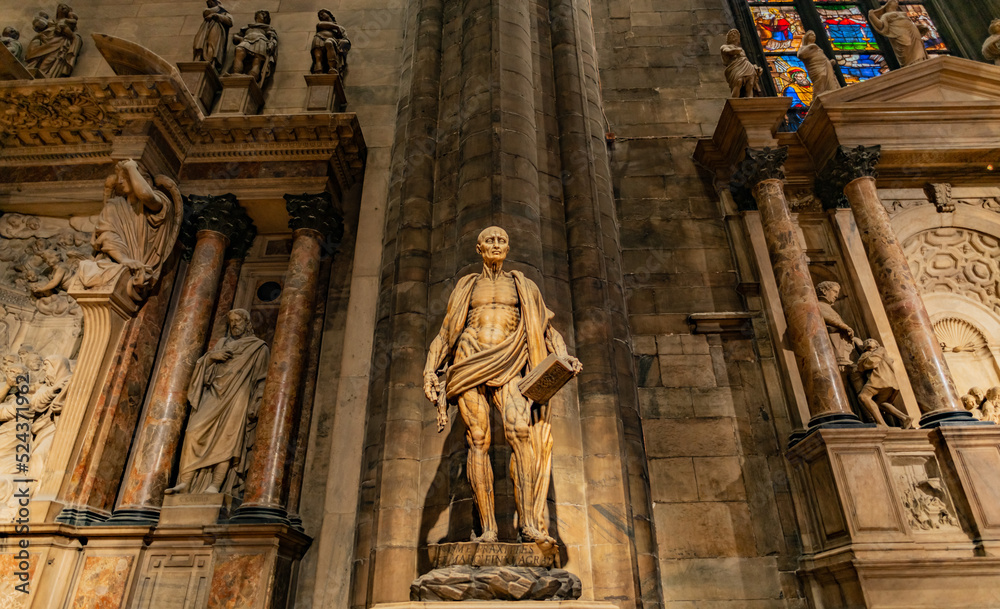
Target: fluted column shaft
{"x":911,"y":325}
{"x":265,"y":497}
{"x":807,"y":333}
{"x":153,"y":452}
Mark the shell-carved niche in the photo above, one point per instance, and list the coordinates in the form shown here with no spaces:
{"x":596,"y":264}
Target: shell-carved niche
{"x":957,"y":261}
{"x":967,"y":352}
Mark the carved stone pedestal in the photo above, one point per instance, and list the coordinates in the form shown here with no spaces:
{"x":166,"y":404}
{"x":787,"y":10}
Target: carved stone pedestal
{"x":196,"y":508}
{"x":501,"y":605}
{"x":240,"y":96}
{"x":202,"y":81}
{"x":887,"y":522}
{"x":325,"y":93}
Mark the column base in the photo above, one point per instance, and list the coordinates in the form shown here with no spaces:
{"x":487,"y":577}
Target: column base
{"x":295,"y":521}
{"x":134,"y":517}
{"x":950,"y":418}
{"x":828,"y":421}
{"x":255,"y":514}
{"x":82,"y":516}
{"x":500,"y":605}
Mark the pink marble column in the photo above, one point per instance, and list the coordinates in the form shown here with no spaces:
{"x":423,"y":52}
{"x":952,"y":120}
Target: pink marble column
{"x":762,"y":175}
{"x":227,"y":294}
{"x":854,"y":170}
{"x":268,"y":477}
{"x":213,"y":225}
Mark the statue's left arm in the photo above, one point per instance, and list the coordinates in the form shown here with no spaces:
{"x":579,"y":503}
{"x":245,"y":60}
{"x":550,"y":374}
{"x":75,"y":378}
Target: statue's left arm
{"x":554,"y":343}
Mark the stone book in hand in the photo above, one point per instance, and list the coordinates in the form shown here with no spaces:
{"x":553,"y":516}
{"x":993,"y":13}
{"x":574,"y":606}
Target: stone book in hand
{"x":546,"y":378}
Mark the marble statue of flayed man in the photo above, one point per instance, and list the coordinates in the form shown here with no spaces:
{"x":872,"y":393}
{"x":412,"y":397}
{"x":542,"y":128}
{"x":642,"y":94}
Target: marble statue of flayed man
{"x":225,"y":392}
{"x":905,"y":36}
{"x":497,"y":327}
{"x":135,"y":232}
{"x":212,"y":37}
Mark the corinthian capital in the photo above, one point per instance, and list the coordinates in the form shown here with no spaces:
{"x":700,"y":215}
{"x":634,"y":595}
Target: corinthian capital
{"x":221,"y":214}
{"x":316,"y":212}
{"x":847,"y":165}
{"x":758,"y":165}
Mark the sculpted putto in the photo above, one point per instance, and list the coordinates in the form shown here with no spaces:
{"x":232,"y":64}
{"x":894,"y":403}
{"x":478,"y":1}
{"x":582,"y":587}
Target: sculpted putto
{"x":225,"y":392}
{"x":11,"y":39}
{"x":213,"y":35}
{"x":496,"y":329}
{"x":991,"y":47}
{"x":256,"y":49}
{"x":55,"y":48}
{"x":743,"y":77}
{"x":329,"y":46}
{"x":904,"y":35}
{"x":135,"y":232}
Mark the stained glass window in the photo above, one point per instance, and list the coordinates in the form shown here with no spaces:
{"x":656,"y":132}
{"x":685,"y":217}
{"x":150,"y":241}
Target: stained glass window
{"x":842,"y":32}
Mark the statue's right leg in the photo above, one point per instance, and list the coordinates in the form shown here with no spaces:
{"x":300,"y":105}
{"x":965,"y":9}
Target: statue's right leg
{"x":238,"y":57}
{"x":183,"y":484}
{"x":317,"y":66}
{"x":475,"y":411}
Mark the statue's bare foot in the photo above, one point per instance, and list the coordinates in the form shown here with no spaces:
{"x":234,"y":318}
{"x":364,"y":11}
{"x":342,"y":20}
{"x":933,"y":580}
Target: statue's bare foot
{"x":488,"y":536}
{"x":544,"y":540}
{"x":212,"y":489}
{"x":177,"y":490}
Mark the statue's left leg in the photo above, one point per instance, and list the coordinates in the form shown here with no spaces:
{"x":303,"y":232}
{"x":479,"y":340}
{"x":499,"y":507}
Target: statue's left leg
{"x":218,"y":477}
{"x":530,"y":462}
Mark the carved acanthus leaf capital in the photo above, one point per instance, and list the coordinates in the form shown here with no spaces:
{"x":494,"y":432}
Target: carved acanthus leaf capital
{"x":222,"y":214}
{"x":758,"y":165}
{"x":847,"y":165}
{"x":316,"y":212}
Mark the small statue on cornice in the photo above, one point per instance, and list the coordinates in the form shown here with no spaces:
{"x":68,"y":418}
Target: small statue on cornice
{"x":256,"y":49}
{"x":11,"y":39}
{"x":906,"y":37}
{"x":818,"y":65}
{"x":53,"y":52}
{"x":743,"y":77}
{"x":135,"y":232}
{"x":213,"y":35}
{"x":991,"y":48}
{"x":329,"y":45}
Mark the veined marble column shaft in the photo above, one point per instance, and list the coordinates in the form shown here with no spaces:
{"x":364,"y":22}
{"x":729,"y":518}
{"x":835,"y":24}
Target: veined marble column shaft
{"x":214,"y":223}
{"x":918,"y":345}
{"x":762,"y":172}
{"x":153,"y":452}
{"x":268,"y":475}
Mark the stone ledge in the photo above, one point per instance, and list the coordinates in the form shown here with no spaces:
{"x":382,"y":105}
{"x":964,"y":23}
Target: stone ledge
{"x":501,"y":605}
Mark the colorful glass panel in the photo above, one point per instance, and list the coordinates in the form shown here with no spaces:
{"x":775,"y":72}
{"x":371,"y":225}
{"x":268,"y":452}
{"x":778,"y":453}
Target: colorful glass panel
{"x":932,"y":37}
{"x":791,"y":79}
{"x":779,"y":28}
{"x":847,"y":28}
{"x":861,"y":67}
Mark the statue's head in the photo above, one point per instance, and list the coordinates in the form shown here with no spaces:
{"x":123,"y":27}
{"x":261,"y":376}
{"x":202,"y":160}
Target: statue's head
{"x":262,"y":17}
{"x":969,"y":402}
{"x":733,"y":37}
{"x":493,"y":245}
{"x":30,"y":358}
{"x":57,"y":368}
{"x":978,"y":393}
{"x":325,"y":15}
{"x":212,"y":3}
{"x":993,"y":394}
{"x":871,"y":344}
{"x":828,"y":291}
{"x":51,"y":257}
{"x":63,"y":11}
{"x":9,"y":32}
{"x":995,"y":27}
{"x":809,"y":37}
{"x":40,"y":21}
{"x":892,"y":5}
{"x":239,"y":323}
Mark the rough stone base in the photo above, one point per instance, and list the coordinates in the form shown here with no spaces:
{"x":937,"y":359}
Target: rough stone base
{"x":464,"y":583}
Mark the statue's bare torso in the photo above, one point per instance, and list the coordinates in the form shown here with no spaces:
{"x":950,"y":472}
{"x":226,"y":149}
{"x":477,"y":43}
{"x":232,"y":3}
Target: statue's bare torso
{"x":493,"y":310}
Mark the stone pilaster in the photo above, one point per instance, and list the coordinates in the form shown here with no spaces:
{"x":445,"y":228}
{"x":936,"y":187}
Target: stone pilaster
{"x":762,"y":174}
{"x":315,"y":226}
{"x":852,"y":172}
{"x":213,"y":222}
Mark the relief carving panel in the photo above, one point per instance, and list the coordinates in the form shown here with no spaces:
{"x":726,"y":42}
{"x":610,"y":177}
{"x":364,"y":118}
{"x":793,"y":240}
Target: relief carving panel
{"x":928,"y":506}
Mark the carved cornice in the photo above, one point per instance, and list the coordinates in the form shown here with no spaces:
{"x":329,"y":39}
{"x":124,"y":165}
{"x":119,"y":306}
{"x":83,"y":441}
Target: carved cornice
{"x":222,"y":214}
{"x":758,"y":165}
{"x":44,"y":122}
{"x":847,"y":165}
{"x":316,"y":212}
